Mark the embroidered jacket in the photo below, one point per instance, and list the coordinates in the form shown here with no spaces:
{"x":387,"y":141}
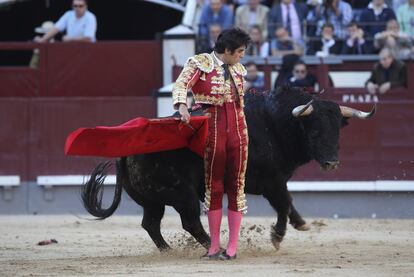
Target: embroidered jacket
{"x":205,"y":78}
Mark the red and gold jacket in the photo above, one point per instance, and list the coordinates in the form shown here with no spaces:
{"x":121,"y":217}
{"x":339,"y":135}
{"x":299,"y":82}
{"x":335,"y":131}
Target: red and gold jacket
{"x":205,"y":78}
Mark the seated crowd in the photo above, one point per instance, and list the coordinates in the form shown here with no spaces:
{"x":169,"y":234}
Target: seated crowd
{"x":312,"y":27}
{"x":292,"y":28}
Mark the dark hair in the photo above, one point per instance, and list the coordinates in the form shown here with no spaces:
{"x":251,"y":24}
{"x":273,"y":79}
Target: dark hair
{"x":85,"y":1}
{"x":353,"y":23}
{"x":231,"y":39}
{"x":328,"y":25}
{"x":255,"y":26}
{"x":299,"y":62}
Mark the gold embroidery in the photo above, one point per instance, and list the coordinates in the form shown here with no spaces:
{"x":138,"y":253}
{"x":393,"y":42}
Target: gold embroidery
{"x":206,"y":99}
{"x":217,"y":80}
{"x":204,"y":62}
{"x":184,"y":83}
{"x":217,"y":90}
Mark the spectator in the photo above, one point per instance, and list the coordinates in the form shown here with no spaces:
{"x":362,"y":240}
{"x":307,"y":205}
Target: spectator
{"x":388,"y":73}
{"x":375,"y":17}
{"x":207,"y":44}
{"x":392,"y":38}
{"x":336,"y":12}
{"x":215,"y":13}
{"x":258,"y":46}
{"x":285,"y":71}
{"x":405,"y":15}
{"x":283,"y":44}
{"x":355,"y":43}
{"x":251,"y":14}
{"x":289,"y":15}
{"x":301,"y":77}
{"x":254,"y":80}
{"x":327,"y":44}
{"x":79,"y":24}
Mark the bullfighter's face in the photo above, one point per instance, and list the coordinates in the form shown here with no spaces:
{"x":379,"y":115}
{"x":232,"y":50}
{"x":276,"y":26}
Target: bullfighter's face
{"x":233,"y":58}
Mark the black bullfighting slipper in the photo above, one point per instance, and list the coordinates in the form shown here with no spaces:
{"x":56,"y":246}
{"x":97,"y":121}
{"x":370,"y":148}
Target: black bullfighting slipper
{"x":224,"y":256}
{"x":214,"y":256}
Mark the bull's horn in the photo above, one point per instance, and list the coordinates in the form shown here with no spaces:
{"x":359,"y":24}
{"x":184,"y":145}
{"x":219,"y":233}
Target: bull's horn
{"x":350,"y":112}
{"x":303,"y":110}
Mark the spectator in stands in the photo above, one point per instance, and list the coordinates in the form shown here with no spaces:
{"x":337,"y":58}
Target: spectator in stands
{"x":387,"y":73}
{"x":285,"y":71}
{"x":258,"y":46}
{"x":301,"y":77}
{"x":327,"y":45}
{"x":254,"y":80}
{"x":79,"y":24}
{"x":355,"y":44}
{"x":336,"y":12}
{"x":251,"y":14}
{"x":206,"y":45}
{"x":215,"y":13}
{"x":399,"y":42}
{"x":375,"y":17}
{"x":405,"y":15}
{"x":289,"y":15}
{"x":283,"y":44}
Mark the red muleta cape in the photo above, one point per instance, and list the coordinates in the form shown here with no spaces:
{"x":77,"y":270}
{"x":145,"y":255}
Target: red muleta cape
{"x":138,"y":136}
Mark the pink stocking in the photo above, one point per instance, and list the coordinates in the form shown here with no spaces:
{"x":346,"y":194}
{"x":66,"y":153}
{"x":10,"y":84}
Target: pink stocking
{"x":234,"y":230}
{"x":214,"y":222}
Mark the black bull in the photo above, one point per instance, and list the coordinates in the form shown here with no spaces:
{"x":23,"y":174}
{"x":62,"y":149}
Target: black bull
{"x":287,"y":128}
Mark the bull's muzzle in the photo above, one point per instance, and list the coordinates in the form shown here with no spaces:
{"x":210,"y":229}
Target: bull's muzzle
{"x":330,"y":165}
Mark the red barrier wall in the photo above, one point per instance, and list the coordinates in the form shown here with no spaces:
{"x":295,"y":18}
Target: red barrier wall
{"x":116,"y":80}
{"x":51,"y":121}
{"x":14,"y":141}
{"x":85,"y":69}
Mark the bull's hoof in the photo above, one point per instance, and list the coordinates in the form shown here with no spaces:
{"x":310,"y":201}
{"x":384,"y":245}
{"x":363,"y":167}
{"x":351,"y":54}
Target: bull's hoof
{"x":276,"y":239}
{"x":165,"y":249}
{"x":303,"y":227}
{"x":276,"y":244}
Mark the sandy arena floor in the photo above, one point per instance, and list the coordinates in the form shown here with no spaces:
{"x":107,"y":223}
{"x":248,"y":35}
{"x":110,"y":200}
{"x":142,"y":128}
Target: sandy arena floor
{"x":119,"y":246}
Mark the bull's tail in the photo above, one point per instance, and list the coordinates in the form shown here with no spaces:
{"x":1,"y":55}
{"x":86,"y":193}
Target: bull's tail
{"x":93,"y":190}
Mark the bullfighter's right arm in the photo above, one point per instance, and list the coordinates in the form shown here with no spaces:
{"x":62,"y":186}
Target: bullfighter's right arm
{"x":187,"y":78}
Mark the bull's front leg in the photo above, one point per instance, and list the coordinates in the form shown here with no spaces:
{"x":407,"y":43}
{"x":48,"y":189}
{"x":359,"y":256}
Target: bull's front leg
{"x":189,"y":209}
{"x":296,"y":220}
{"x":279,"y":198}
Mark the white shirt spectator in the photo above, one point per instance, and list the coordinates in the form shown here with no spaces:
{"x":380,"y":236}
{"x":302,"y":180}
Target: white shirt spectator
{"x":84,"y":26}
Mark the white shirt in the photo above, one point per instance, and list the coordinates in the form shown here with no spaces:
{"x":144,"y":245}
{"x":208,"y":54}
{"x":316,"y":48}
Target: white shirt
{"x":84,"y":26}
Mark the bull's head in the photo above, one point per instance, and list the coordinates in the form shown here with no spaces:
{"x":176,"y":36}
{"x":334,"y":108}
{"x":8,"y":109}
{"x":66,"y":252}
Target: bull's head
{"x":322,"y":121}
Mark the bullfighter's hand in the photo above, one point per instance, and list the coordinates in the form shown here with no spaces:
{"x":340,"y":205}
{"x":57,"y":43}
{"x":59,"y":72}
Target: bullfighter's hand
{"x":185,"y":115}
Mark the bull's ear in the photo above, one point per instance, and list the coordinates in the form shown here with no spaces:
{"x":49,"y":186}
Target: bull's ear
{"x":344,"y":121}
